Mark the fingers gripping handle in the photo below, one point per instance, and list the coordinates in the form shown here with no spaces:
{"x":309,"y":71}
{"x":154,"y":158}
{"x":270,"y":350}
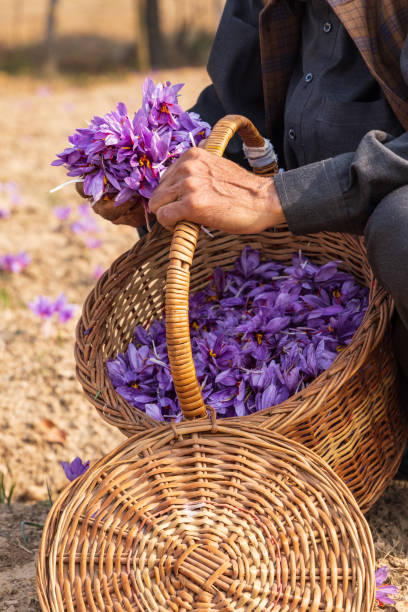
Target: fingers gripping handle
{"x":178,"y":277}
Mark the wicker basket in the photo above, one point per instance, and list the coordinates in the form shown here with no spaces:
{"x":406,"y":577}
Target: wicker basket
{"x":207,"y":517}
{"x":349,"y":414}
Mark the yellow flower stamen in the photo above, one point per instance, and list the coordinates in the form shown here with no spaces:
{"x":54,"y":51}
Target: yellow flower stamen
{"x":212,"y":354}
{"x":259,"y":338}
{"x":336,"y":293}
{"x":134,"y":385}
{"x":145,"y":161}
{"x":194,"y":324}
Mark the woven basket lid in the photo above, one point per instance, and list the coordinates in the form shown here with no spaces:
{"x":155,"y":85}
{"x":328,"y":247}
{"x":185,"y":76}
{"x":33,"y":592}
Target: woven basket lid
{"x":207,"y":517}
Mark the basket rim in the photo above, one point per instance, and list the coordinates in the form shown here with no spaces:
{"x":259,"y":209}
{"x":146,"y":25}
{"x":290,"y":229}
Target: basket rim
{"x":368,"y":335}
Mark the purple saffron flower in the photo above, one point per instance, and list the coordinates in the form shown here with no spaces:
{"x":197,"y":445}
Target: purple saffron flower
{"x":85,"y":225}
{"x":153,"y":411}
{"x":270,"y":397}
{"x":84,"y":210}
{"x":160,"y":102}
{"x":141,"y":335}
{"x":63,"y":308}
{"x":14,"y":263}
{"x":248,"y":261}
{"x":326,"y":272}
{"x":15,"y":199}
{"x":384,"y":590}
{"x":97,"y":271}
{"x":93,"y":243}
{"x":74,"y":469}
{"x":42,"y":306}
{"x":4,"y":213}
{"x":62,"y":212}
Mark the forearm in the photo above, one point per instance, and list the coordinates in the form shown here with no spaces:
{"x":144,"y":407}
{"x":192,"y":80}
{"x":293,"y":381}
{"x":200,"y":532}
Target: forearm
{"x":339,"y":194}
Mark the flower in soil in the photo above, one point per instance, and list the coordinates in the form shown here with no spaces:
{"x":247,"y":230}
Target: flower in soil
{"x":93,"y":243}
{"x":97,"y":271}
{"x":260,"y":332}
{"x":4,"y":213}
{"x":84,"y":225}
{"x":120,"y":157}
{"x":64,"y":310}
{"x":62,"y":212}
{"x":45,"y":307}
{"x":384,"y":590}
{"x":14,"y":263}
{"x":74,"y":469}
{"x":42,"y":306}
{"x":11,"y":189}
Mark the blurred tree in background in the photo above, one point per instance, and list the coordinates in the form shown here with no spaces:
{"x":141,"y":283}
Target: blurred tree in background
{"x":50,"y":64}
{"x":149,"y":36}
{"x":96,"y":36}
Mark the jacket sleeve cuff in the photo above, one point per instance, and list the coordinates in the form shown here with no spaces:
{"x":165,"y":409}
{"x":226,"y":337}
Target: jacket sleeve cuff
{"x":312,"y":198}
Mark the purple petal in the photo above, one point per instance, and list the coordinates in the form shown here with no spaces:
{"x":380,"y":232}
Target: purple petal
{"x":74,"y":469}
{"x":153,"y":411}
{"x":381,"y":575}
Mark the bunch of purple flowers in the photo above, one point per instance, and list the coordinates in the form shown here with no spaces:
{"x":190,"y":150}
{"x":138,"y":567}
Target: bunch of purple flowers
{"x":121,"y":157}
{"x":260,"y":332}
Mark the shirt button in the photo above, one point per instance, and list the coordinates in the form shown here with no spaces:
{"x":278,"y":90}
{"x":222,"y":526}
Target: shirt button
{"x":308,"y":77}
{"x":327,"y":27}
{"x":292,"y":134}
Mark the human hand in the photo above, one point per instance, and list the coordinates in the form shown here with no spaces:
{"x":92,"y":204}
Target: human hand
{"x":129,"y":213}
{"x":217,"y":193}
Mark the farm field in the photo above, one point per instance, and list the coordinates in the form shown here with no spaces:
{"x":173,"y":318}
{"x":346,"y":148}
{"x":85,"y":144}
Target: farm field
{"x":44,"y":418}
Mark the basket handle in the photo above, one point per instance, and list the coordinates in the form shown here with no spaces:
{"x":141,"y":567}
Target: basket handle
{"x":178,"y":275}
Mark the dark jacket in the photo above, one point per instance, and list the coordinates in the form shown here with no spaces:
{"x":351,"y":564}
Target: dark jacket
{"x":379,"y":29}
{"x":256,"y":48}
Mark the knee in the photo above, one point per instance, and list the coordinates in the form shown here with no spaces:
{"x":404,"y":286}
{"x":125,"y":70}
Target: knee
{"x":386,"y":235}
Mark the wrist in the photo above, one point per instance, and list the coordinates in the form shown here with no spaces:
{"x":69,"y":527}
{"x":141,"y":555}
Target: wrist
{"x":272,"y":207}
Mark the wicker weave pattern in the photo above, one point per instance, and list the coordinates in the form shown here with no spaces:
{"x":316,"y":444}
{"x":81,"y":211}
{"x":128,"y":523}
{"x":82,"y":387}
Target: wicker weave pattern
{"x":196,"y":519}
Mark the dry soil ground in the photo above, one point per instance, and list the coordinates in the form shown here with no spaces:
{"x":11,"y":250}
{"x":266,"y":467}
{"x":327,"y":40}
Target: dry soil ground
{"x":43,"y":417}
